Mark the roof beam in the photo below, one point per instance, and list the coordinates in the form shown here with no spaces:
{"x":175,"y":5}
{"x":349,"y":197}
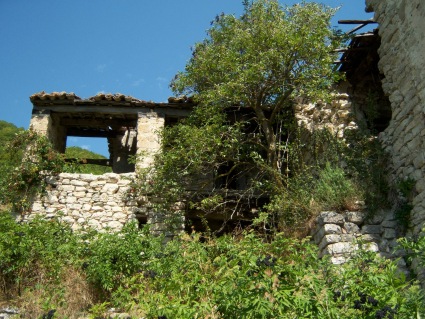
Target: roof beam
{"x":357,"y":21}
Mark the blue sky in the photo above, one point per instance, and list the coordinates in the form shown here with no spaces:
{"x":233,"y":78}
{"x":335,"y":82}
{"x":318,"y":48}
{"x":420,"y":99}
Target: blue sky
{"x":134,"y":47}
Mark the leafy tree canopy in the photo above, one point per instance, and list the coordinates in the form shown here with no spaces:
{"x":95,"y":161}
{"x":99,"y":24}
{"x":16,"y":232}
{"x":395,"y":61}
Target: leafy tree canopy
{"x":244,"y":76}
{"x":262,"y":61}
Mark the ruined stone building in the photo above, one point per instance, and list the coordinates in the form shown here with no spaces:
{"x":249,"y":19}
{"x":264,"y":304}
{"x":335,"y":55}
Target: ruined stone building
{"x":384,"y":91}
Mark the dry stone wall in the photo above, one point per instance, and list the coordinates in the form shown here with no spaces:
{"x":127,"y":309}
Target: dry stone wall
{"x":339,"y":235}
{"x":97,"y":201}
{"x":402,"y":60}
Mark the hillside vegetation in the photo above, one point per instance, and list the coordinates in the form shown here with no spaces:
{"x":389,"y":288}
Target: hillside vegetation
{"x":46,"y":267}
{"x":256,"y":64}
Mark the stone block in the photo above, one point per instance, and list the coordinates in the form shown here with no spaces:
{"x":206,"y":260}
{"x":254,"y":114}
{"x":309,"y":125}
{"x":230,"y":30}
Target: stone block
{"x":66,"y":188}
{"x":371,"y":247}
{"x":340,"y":248}
{"x":115,"y":225}
{"x":370,"y":238}
{"x":119,"y":215}
{"x":93,"y":223}
{"x":329,"y":239}
{"x":389,"y":233}
{"x":88,"y":177}
{"x":371,"y":229}
{"x":351,"y":228}
{"x":355,"y":217}
{"x":330,"y":218}
{"x":71,"y":200}
{"x":378,"y":217}
{"x":68,"y":219}
{"x":78,"y":183}
{"x":98,"y":215}
{"x":110,"y":188}
{"x":338,"y":260}
{"x":332,"y":229}
{"x":37,"y":207}
{"x":390,"y":223}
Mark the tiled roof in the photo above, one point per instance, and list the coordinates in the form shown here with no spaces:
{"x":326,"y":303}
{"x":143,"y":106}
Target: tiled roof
{"x":53,"y":96}
{"x":104,"y":98}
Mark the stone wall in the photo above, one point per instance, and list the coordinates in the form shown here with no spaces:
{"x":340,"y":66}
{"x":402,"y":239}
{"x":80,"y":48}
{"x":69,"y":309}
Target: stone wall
{"x":97,"y":201}
{"x":337,"y":116}
{"x":338,"y":235}
{"x":402,"y":60}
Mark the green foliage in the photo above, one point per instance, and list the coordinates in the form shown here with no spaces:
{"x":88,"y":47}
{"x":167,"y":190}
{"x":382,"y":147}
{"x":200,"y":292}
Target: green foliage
{"x":33,"y":156}
{"x":7,"y":133}
{"x":334,"y":189}
{"x":110,"y":257}
{"x":29,"y":157}
{"x":32,"y":250}
{"x":404,"y":207}
{"x":244,"y":77}
{"x":249,"y":278}
{"x":75,"y":152}
{"x":415,"y":249}
{"x":368,"y":164}
{"x":260,"y":62}
{"x":226,"y":277}
{"x":313,"y":191}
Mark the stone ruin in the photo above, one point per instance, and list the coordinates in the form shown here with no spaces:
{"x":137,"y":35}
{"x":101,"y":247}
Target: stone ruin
{"x":384,"y":68}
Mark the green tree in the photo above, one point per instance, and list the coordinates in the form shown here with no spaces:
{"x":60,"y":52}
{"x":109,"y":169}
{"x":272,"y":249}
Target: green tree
{"x":261,"y":62}
{"x":244,"y":77}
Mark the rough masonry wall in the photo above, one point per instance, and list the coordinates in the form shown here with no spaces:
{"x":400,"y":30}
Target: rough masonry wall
{"x":336,"y":116}
{"x":339,"y":235}
{"x":402,"y":60}
{"x":97,"y":201}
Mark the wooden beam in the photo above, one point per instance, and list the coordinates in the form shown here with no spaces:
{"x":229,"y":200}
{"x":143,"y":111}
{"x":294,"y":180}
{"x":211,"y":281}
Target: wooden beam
{"x":94,"y":161}
{"x":357,"y":21}
{"x":352,"y":49}
{"x":102,"y":123}
{"x":92,"y":132}
{"x":113,"y":110}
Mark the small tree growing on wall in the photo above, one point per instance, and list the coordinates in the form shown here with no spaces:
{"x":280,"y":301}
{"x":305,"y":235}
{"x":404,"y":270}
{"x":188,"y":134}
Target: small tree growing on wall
{"x":256,"y":64}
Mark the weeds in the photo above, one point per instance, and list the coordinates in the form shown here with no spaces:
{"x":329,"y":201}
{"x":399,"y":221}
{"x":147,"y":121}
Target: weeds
{"x":226,"y":277}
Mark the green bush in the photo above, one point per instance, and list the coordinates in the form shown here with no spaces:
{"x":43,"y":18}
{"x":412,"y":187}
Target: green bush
{"x":33,"y":155}
{"x":29,"y":251}
{"x":193,"y":276}
{"x":111,"y":257}
{"x":250,"y":278}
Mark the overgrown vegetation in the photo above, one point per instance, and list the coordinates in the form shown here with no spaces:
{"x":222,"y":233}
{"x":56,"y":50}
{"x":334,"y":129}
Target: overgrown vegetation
{"x":26,"y":157}
{"x":46,"y":266}
{"x":241,"y":146}
{"x":33,"y":156}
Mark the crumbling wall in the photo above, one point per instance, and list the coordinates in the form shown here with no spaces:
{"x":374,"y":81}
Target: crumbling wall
{"x":336,"y":116}
{"x":402,"y":60}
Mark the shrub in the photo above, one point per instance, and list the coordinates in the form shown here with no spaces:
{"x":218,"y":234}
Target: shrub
{"x":33,"y":252}
{"x":111,"y":257}
{"x":250,"y":278}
